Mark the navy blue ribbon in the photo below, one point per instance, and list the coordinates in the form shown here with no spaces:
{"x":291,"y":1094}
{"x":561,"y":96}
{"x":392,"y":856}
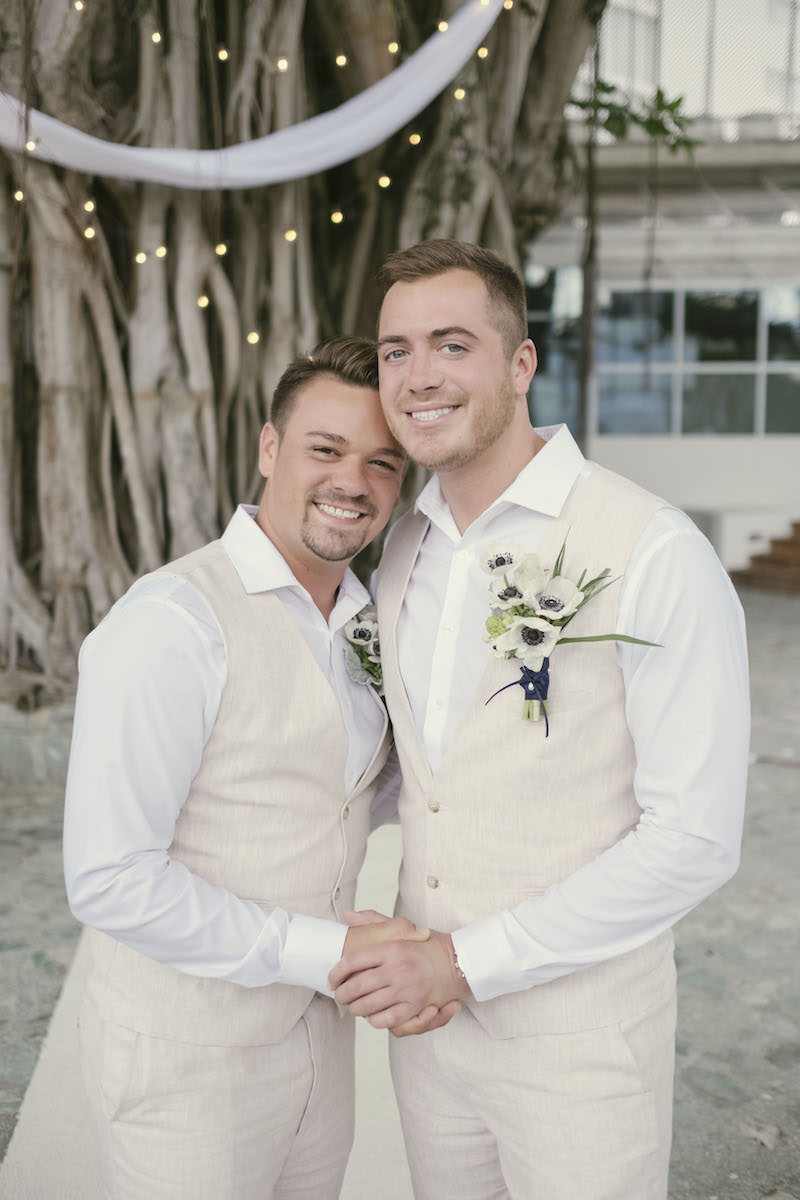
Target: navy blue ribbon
{"x":534,"y":684}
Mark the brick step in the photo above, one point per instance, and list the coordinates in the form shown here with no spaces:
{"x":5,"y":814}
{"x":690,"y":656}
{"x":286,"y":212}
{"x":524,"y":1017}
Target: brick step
{"x":788,"y":552}
{"x":786,"y":587}
{"x":776,"y":569}
{"x":769,"y":577}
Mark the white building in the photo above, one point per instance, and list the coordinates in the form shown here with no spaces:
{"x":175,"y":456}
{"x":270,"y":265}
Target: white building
{"x":696,"y":388}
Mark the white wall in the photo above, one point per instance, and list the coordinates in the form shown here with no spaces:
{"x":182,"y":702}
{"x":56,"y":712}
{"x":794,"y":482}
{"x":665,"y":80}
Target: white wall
{"x":742,"y":491}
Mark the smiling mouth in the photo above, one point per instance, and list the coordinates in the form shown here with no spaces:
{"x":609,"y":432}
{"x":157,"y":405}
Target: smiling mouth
{"x":341,"y":514}
{"x":431,"y":414}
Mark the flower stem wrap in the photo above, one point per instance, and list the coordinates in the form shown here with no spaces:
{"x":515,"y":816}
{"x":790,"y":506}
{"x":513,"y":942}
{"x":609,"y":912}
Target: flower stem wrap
{"x":535,"y":685}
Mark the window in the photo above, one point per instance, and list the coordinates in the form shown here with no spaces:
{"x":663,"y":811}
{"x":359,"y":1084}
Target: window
{"x":684,"y":362}
{"x":783,"y":403}
{"x":718,"y":404}
{"x":720,"y":326}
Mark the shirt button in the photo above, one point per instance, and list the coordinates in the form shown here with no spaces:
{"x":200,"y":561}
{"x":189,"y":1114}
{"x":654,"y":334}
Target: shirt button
{"x":346,"y":812}
{"x":437,"y":704}
{"x":465,"y":555}
{"x":337,"y":893}
{"x":433,"y":882}
{"x":433,"y":805}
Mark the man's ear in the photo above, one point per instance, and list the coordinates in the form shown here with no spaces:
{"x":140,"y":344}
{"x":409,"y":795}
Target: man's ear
{"x":524,"y":367}
{"x":268,"y":449}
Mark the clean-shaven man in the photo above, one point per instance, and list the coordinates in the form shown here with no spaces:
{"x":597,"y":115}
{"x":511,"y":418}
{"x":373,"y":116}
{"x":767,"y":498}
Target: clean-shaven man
{"x":551,"y":858}
{"x":218,"y":804}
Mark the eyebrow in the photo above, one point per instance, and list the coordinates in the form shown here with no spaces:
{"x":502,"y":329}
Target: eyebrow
{"x":392,"y":339}
{"x":338,"y":440}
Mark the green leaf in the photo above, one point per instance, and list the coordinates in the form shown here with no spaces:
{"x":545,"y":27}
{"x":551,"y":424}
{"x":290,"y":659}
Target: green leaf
{"x":609,"y":637}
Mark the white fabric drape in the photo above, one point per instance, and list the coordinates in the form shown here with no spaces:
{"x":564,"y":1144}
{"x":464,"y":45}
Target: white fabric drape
{"x":314,"y":145}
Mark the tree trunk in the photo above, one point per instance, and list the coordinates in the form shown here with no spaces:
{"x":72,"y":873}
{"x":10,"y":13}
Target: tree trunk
{"x":129,"y":413}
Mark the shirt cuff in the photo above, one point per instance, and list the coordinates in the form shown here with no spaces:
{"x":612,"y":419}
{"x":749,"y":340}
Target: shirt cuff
{"x":487,"y":958}
{"x":311,"y":951}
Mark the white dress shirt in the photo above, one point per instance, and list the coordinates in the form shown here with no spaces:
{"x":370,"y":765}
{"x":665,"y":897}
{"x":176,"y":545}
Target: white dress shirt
{"x":687,"y":711}
{"x":151,"y":679}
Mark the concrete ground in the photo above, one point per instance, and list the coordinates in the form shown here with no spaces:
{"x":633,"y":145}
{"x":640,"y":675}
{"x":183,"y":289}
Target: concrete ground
{"x":737,"y":1109}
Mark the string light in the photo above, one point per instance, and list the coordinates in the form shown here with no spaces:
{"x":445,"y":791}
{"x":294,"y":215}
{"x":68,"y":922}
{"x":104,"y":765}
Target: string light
{"x":253,"y":337}
{"x":202,"y":301}
{"x":31,"y":144}
{"x":89,"y":232}
{"x":291,"y":235}
{"x":459,"y":94}
{"x":222,"y":54}
{"x":393,"y":47}
{"x":508,"y":4}
{"x":384,"y":181}
{"x":161,"y":251}
{"x":78,"y":6}
{"x":19,"y":195}
{"x":442,"y":26}
{"x":88,"y":206}
{"x":415,"y":138}
{"x":155,"y":36}
{"x":341,"y":60}
{"x":141,"y":257}
{"x":337,"y":216}
{"x":220,"y":249}
{"x":483,"y":52}
{"x":283,"y":64}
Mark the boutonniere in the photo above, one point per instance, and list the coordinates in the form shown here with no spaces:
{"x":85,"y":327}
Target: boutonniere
{"x":362,"y":649}
{"x":531,"y":606}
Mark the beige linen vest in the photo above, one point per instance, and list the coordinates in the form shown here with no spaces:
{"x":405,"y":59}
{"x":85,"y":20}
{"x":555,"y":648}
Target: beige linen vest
{"x":266,"y":817}
{"x":509,"y":812}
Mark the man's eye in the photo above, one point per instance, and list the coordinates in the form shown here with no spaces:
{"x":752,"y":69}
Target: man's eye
{"x":389,"y":466}
{"x":328,"y":451}
{"x":453,"y":347}
{"x":393,"y":355}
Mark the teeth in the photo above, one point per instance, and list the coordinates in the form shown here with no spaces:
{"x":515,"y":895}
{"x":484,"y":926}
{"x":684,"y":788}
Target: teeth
{"x":430,"y":414}
{"x":342,"y":513}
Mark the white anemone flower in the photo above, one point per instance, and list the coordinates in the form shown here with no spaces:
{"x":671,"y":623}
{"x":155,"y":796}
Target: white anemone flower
{"x":504,"y":593}
{"x":530,"y":577}
{"x":362,"y":630}
{"x":558,"y":598}
{"x":530,"y":639}
{"x":499,"y":559}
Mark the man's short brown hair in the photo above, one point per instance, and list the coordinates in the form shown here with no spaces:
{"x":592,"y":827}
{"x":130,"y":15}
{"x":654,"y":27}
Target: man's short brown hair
{"x":505,"y":290}
{"x":349,"y":359}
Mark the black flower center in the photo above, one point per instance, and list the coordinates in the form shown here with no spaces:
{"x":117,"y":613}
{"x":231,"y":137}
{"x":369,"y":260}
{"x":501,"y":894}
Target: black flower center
{"x":362,"y":634}
{"x":510,"y":593}
{"x":532,"y":637}
{"x":552,"y":603}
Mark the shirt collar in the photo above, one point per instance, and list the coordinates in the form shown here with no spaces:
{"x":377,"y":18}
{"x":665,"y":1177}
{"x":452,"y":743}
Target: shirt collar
{"x":262,"y":568}
{"x":542,"y":485}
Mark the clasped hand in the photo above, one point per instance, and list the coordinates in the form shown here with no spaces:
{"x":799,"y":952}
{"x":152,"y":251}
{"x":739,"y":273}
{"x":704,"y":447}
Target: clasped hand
{"x":399,"y":977}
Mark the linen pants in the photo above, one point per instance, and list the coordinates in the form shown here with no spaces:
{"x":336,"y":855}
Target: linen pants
{"x":181,"y":1120}
{"x":572,"y":1116}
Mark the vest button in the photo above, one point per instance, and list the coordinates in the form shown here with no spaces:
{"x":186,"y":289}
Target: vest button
{"x":433,"y":882}
{"x":433,"y":805}
{"x":337,"y":893}
{"x":346,"y":812}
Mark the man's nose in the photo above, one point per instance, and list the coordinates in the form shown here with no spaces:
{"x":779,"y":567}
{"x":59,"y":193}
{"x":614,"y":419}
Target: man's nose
{"x":351,"y":476}
{"x":424,"y":373}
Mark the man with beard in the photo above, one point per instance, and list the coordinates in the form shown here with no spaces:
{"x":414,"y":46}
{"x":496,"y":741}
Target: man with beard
{"x":218,"y":804}
{"x":550,"y":857}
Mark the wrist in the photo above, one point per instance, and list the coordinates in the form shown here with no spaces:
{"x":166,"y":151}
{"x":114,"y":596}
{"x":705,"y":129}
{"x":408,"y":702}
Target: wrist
{"x":461,"y":986}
